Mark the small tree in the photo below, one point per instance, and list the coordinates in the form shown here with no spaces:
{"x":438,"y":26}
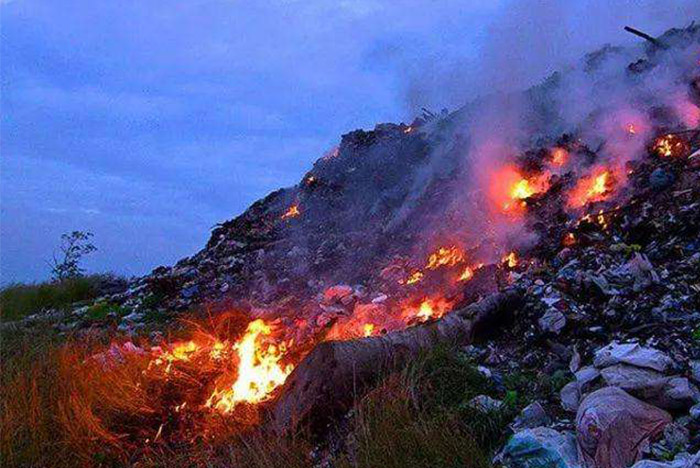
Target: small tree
{"x":74,"y":247}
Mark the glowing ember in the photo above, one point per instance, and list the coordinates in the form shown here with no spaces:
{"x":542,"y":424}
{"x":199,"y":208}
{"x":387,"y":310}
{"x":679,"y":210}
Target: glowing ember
{"x":408,"y":130}
{"x":292,"y":212}
{"x":631,"y":129}
{"x":445,"y":256}
{"x":415,"y":277}
{"x":368,"y":329}
{"x":559,"y":157}
{"x":570,"y":239}
{"x":468,"y":272}
{"x":591,"y":189}
{"x":259,"y":370}
{"x":432,"y":309}
{"x":671,"y":146}
{"x":511,"y":260}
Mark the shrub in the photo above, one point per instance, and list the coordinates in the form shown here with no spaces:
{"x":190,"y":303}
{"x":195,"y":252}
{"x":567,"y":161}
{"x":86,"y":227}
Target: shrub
{"x":19,"y":300}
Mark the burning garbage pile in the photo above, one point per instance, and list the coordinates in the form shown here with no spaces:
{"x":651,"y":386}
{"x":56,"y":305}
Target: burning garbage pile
{"x":393,"y":242}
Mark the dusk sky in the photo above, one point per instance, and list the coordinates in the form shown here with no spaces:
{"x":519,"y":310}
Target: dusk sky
{"x":148,"y":122}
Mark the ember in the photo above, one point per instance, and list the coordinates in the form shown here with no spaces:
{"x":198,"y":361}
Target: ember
{"x":368,"y":329}
{"x":292,"y":212}
{"x":671,"y":146}
{"x":559,"y":157}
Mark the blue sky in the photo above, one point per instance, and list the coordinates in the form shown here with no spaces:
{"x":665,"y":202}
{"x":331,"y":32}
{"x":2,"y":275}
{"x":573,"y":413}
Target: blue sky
{"x":147,"y":122}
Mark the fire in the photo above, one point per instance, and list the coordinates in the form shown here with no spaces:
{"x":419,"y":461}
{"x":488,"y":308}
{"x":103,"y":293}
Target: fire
{"x":445,"y":256}
{"x":570,"y":239}
{"x":292,"y":212}
{"x":631,"y":129}
{"x":593,"y":188}
{"x":671,"y":146}
{"x":559,"y":157}
{"x":468,"y":272}
{"x":415,"y":277}
{"x":511,"y":260}
{"x":408,"y":130}
{"x":509,"y":189}
{"x":432,"y":309}
{"x":259,"y":370}
{"x":368,"y":329}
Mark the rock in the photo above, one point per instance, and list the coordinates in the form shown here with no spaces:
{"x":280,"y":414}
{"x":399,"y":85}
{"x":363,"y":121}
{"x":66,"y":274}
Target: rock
{"x":676,"y":437}
{"x":336,"y":293}
{"x":133,"y":317}
{"x":695,"y":371}
{"x":679,"y":393}
{"x":485,"y":371}
{"x":642,"y":271}
{"x":533,"y":415}
{"x":552,"y":321}
{"x":190,"y":291}
{"x":695,"y":413}
{"x":586,"y":376}
{"x":485,"y":403}
{"x":682,"y":460}
{"x":575,"y":362}
{"x":634,"y":354}
{"x":613,"y":428}
{"x":570,"y":396}
{"x":539,"y":447}
{"x":660,"y":179}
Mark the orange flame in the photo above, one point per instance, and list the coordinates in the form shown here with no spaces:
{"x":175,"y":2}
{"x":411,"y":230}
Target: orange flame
{"x":292,"y":212}
{"x":445,"y":256}
{"x":259,"y":370}
{"x":368,"y":329}
{"x":509,"y":189}
{"x":415,"y":277}
{"x":593,"y":188}
{"x":671,"y":146}
{"x":559,"y":157}
{"x":468,"y":272}
{"x":432,"y":309}
{"x":511,"y":260}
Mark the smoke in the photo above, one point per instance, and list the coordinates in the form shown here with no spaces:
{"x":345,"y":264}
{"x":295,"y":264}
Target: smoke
{"x":613,"y":101}
{"x":524,"y":41}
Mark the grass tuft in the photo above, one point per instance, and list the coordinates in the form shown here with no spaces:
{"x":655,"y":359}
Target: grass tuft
{"x":19,"y":300}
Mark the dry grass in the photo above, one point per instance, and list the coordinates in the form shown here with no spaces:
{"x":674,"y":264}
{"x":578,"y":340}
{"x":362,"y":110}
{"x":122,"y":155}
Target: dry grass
{"x":61,"y":408}
{"x":57,"y":409}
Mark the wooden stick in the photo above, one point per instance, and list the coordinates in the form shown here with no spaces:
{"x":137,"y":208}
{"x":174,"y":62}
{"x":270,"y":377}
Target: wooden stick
{"x":646,"y":36}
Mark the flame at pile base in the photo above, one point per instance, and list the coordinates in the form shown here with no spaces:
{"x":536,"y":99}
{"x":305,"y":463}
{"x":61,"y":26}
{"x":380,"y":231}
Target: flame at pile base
{"x":259,"y":370}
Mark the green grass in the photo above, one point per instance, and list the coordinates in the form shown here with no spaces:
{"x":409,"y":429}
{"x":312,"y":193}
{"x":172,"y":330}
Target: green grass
{"x":19,"y":300}
{"x":420,"y":417}
{"x":101,"y":311}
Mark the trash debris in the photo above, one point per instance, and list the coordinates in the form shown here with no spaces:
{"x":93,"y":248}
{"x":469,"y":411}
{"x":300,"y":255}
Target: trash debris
{"x":540,"y":447}
{"x":613,"y":428}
